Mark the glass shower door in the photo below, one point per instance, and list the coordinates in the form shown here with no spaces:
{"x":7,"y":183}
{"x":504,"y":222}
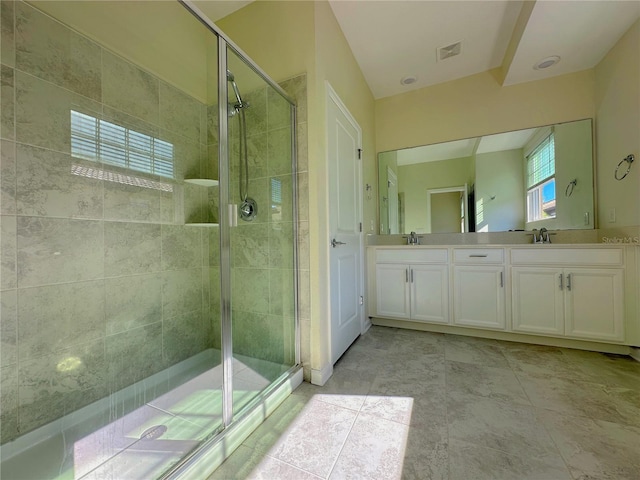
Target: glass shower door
{"x":116,"y":320}
{"x":262,"y":238}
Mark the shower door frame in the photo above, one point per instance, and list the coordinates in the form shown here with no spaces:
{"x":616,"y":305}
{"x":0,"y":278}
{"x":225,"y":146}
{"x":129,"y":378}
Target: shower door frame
{"x":226,"y":217}
{"x":229,"y":217}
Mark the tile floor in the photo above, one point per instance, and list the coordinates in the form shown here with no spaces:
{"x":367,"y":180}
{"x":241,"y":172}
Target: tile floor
{"x":417,"y":405}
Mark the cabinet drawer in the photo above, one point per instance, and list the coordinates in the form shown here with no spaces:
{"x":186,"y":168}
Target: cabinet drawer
{"x":478,"y":255}
{"x":412,"y":255}
{"x":567,"y":256}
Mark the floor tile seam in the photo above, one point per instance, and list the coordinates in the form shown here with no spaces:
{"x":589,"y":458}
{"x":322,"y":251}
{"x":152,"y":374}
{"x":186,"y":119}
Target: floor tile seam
{"x":446,"y":420}
{"x":581,"y":417}
{"x":524,"y":390}
{"x":590,"y":417}
{"x":501,"y":402}
{"x":558,"y":450}
{"x":601,"y":386}
{"x":265,"y":455}
{"x":511,"y":453}
{"x":344,"y":442}
{"x":352,"y":410}
{"x":408,"y":425}
{"x":516,"y":455}
{"x":511,"y":362}
{"x":508,"y":369}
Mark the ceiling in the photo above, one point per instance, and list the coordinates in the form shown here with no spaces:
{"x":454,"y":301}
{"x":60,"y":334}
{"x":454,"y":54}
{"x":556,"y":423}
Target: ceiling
{"x":394,"y":39}
{"x":217,"y":9}
{"x":465,"y":148}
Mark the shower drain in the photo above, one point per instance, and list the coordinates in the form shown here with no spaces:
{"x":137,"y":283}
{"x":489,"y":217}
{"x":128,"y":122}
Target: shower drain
{"x":154,"y":432}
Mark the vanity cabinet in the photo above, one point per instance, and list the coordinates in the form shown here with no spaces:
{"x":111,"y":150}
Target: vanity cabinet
{"x":583,"y":298}
{"x":537,"y":300}
{"x":575,"y":293}
{"x":412,"y":291}
{"x":479,"y":288}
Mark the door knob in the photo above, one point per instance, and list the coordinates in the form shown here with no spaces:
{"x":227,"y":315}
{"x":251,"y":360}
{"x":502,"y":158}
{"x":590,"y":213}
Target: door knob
{"x":335,"y":243}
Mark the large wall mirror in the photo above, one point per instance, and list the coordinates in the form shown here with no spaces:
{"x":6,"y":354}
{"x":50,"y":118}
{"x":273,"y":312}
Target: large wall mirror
{"x":520,"y":180}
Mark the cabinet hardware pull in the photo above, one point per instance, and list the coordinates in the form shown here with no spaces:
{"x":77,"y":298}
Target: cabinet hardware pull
{"x":478,"y":255}
{"x":406,"y":275}
{"x":502,"y":279}
{"x":561,"y":286}
{"x":412,"y":275}
{"x":569,"y":282}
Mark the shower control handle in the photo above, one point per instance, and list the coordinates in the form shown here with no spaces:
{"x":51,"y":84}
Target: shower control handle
{"x":335,"y":243}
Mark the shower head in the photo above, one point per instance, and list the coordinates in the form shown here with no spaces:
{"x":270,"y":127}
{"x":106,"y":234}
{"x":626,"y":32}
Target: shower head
{"x":239,"y":104}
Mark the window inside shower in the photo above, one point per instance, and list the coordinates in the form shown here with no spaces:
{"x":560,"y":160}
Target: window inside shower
{"x":140,"y":318}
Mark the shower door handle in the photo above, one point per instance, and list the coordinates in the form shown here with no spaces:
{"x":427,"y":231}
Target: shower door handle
{"x":335,"y":243}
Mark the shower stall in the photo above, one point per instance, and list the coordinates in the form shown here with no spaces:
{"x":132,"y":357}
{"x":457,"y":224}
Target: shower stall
{"x":148,"y":232}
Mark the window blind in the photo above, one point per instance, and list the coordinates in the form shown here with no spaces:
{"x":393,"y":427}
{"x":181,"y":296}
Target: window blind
{"x":541,"y":163}
{"x":101,"y":141}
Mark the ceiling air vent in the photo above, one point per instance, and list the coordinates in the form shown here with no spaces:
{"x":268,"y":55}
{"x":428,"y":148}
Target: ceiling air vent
{"x":449,"y":51}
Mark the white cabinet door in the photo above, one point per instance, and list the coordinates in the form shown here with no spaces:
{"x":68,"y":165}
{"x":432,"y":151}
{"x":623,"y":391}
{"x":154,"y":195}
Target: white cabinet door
{"x":479,"y":296}
{"x":538,"y":300}
{"x":594,"y":305}
{"x":392,"y":290}
{"x":429,"y":293}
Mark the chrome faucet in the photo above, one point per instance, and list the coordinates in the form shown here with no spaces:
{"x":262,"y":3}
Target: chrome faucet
{"x":413,"y":239}
{"x":544,"y":237}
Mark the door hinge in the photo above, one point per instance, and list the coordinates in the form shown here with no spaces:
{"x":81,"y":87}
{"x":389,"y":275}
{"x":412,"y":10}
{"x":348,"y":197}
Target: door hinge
{"x":361,"y":300}
{"x":359,"y":154}
{"x":361,"y":226}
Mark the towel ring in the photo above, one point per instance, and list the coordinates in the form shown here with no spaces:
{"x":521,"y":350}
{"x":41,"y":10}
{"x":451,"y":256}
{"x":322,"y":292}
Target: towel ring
{"x":629,"y":159}
{"x":569,"y":190}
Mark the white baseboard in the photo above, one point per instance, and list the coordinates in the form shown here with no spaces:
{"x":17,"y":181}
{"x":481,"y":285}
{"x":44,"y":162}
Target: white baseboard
{"x":320,"y":377}
{"x":635,"y":353}
{"x":366,"y":325}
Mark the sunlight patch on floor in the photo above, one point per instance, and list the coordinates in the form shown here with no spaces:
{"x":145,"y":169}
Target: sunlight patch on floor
{"x":335,"y":434}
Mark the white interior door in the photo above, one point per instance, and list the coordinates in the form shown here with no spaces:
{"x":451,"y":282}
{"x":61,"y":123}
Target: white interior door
{"x":345,"y":217}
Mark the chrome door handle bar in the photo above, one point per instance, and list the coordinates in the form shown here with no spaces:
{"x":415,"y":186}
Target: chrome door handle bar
{"x":335,"y":243}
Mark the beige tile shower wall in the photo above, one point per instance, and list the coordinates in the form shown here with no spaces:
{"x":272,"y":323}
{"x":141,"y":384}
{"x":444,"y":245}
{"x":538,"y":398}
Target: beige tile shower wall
{"x":101,"y":282}
{"x":262,"y":250}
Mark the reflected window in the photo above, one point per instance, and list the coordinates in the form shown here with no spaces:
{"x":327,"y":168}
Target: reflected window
{"x":276,"y":199}
{"x":541,"y":181}
{"x":97,"y":140}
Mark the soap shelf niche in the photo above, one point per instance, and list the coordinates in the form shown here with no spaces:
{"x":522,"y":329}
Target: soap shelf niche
{"x":203,"y":182}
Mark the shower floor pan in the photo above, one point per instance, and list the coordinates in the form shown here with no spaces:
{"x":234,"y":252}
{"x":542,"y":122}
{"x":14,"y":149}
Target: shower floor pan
{"x":141,"y":431}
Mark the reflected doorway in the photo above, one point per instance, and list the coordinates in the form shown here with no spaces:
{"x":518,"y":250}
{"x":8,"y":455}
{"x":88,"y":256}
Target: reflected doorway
{"x":392,"y":185}
{"x":447,"y":210}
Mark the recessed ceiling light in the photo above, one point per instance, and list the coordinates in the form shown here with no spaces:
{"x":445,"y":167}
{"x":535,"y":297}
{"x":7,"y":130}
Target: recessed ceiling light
{"x":546,"y":62}
{"x":408,"y":80}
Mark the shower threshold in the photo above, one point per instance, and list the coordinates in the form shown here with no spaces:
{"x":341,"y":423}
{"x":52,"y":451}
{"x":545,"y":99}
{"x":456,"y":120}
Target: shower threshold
{"x":142,"y":430}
